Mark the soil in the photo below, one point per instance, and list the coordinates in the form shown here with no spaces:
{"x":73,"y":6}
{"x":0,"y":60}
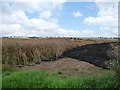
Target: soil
{"x":66,"y":67}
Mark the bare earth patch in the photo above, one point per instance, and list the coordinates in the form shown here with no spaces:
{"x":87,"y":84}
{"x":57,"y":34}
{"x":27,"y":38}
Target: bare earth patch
{"x":66,"y":67}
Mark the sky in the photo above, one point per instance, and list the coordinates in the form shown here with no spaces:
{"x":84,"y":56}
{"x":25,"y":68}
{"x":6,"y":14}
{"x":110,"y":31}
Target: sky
{"x":59,"y":19}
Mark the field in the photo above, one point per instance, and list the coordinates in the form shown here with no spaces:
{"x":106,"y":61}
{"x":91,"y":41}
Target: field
{"x":57,"y":63}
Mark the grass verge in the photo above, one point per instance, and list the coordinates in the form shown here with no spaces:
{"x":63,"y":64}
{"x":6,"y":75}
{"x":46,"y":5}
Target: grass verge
{"x":41,"y":79}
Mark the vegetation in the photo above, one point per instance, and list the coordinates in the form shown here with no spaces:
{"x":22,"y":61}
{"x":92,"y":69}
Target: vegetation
{"x":16,"y":52}
{"x":115,"y":62}
{"x":7,"y":68}
{"x":116,"y":68}
{"x":41,"y":79}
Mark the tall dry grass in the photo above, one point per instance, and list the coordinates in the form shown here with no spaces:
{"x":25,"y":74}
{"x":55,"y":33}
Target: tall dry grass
{"x":33,"y":51}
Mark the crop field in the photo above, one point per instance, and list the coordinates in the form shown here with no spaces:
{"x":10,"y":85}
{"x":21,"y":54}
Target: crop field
{"x":57,"y":63}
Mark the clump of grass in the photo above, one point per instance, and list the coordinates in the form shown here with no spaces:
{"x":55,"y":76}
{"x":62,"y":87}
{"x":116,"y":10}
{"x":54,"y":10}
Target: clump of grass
{"x":53,"y":82}
{"x":104,"y":81}
{"x":24,"y":79}
{"x":40,"y":79}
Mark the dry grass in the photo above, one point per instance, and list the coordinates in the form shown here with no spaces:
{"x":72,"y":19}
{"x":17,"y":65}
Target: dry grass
{"x":27,"y":51}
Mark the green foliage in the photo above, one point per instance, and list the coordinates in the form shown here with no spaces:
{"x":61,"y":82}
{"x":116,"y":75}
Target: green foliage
{"x":40,"y":79}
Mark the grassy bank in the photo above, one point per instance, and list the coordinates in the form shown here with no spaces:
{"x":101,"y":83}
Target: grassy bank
{"x":41,"y":79}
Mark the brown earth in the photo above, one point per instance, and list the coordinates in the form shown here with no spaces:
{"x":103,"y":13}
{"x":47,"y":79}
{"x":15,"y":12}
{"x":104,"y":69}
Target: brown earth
{"x":66,"y":67}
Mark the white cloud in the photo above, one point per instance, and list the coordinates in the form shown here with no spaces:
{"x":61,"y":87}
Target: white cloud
{"x":106,"y":0}
{"x":16,"y":23}
{"x":14,"y":18}
{"x":46,"y":14}
{"x":108,"y":31}
{"x":77,"y":14}
{"x":18,"y":30}
{"x":107,"y":17}
{"x":102,"y":21}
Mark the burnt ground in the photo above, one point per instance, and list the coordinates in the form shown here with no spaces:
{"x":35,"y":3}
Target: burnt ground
{"x":97,"y":54}
{"x":82,"y":60}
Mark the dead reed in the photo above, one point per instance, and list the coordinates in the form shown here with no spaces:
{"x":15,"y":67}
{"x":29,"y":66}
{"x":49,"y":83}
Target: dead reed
{"x":16,"y":52}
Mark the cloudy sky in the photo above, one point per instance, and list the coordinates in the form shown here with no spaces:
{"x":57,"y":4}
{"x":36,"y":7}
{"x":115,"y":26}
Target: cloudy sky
{"x":53,"y":19}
